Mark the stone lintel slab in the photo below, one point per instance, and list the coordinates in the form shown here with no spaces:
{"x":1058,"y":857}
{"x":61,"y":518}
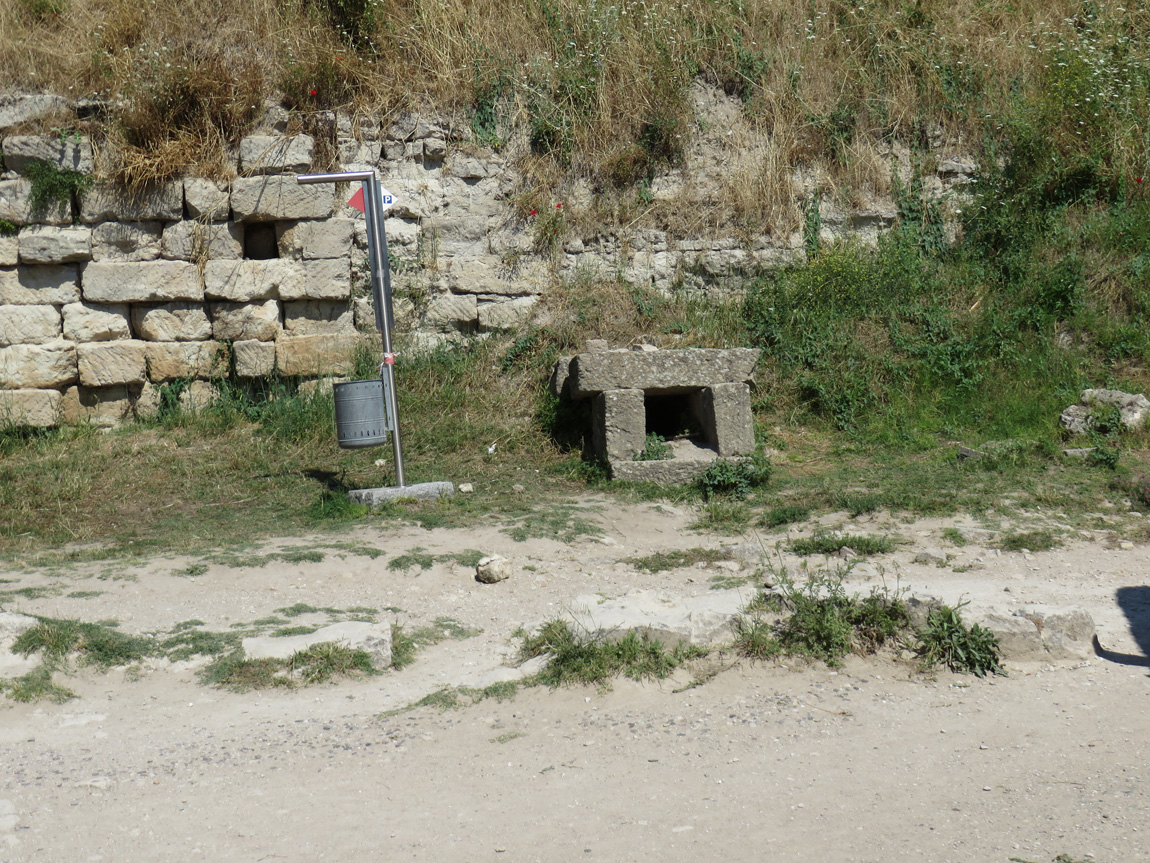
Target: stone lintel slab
{"x":665,"y":472}
{"x":374,"y":497}
{"x":671,"y":371}
{"x":618,"y":424}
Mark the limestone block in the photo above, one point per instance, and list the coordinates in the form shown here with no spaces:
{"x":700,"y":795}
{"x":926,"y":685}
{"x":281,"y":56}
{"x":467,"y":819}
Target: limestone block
{"x":109,"y":202}
{"x":314,"y":317}
{"x":468,"y":167}
{"x":100,"y":406}
{"x":38,"y":366}
{"x":141,"y":282}
{"x":126,"y":241}
{"x":49,"y":244}
{"x":253,"y":358}
{"x":193,"y":241}
{"x":16,"y":206}
{"x":725,"y":412}
{"x":40,"y":285}
{"x":29,"y":407}
{"x":315,"y":356}
{"x":324,"y":279}
{"x":237,"y":321}
{"x":619,"y":424}
{"x":492,"y":569}
{"x":87,"y":322}
{"x":197,"y":395}
{"x":69,"y":153}
{"x":704,"y":620}
{"x":313,"y":240}
{"x":243,"y":281}
{"x":452,"y":312}
{"x":401,"y":232}
{"x":483,"y":276}
{"x":9,"y":251}
{"x":147,"y":402}
{"x":1133,"y":407}
{"x":104,"y":364}
{"x":276,"y":154}
{"x":17,"y":109}
{"x":505,"y":315}
{"x":207,"y":200}
{"x":171,"y":322}
{"x":666,"y":370}
{"x":28,"y":325}
{"x":259,"y":199}
{"x":169,"y":361}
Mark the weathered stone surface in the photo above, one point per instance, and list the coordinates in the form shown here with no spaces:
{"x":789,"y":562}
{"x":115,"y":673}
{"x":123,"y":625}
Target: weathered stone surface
{"x":169,"y":361}
{"x":672,"y":371}
{"x":49,"y":244}
{"x":449,"y":312}
{"x":239,"y":321}
{"x":314,"y":356}
{"x":375,"y":497}
{"x":1134,"y":407}
{"x":104,"y":364}
{"x":109,"y":202}
{"x":253,"y":358}
{"x":243,"y":281}
{"x":86,"y":322}
{"x":1075,"y":419}
{"x":171,"y":322}
{"x":28,"y":325}
{"x":313,"y":317}
{"x":103,"y":406}
{"x":505,"y":315}
{"x":9,"y":251}
{"x":276,"y":154}
{"x":126,"y":241}
{"x":492,"y":569}
{"x":27,"y":407}
{"x":19,"y":108}
{"x":704,"y":620}
{"x":207,"y":200}
{"x":16,"y":206}
{"x":725,"y":411}
{"x":197,"y":395}
{"x":141,"y":282}
{"x":69,"y":153}
{"x":280,"y":197}
{"x":664,"y":472}
{"x":325,"y":279}
{"x":372,"y":638}
{"x":192,"y":241}
{"x":38,"y":366}
{"x":40,"y":285}
{"x":618,"y":424}
{"x":315,"y":240}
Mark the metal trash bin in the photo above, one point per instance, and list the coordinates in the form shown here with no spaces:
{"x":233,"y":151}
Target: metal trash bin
{"x":360,"y":414}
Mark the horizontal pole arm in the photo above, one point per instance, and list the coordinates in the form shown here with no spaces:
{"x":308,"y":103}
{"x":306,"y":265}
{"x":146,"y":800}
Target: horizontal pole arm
{"x":343,"y":177}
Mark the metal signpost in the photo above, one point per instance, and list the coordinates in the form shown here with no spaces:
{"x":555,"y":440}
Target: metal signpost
{"x":371,"y":430}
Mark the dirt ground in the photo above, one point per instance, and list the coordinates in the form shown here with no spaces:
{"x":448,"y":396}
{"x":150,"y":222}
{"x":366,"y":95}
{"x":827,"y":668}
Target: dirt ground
{"x":872,"y":762}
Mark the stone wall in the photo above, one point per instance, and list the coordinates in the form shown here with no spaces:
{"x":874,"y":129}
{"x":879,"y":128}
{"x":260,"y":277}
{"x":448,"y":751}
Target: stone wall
{"x":111,"y":295}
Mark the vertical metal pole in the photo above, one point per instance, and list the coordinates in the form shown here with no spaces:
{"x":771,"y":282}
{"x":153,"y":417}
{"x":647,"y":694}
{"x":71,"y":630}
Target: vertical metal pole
{"x":384,"y":316}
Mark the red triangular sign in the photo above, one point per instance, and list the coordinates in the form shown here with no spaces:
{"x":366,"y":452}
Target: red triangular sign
{"x":357,"y":201}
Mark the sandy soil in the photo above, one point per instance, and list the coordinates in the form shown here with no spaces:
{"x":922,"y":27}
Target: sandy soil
{"x":872,"y":762}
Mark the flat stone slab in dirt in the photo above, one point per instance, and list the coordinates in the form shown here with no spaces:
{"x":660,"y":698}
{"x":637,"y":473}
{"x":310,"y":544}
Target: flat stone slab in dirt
{"x":374,"y":497}
{"x":703,"y":620}
{"x":373,"y":638}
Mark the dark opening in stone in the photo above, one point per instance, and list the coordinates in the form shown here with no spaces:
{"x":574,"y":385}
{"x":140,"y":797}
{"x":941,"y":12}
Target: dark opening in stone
{"x":673,"y":415}
{"x":260,"y":241}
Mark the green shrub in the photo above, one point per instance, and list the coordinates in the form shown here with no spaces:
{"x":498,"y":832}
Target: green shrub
{"x":54,"y":188}
{"x":726,"y":478}
{"x":946,"y":640}
{"x":655,"y":448}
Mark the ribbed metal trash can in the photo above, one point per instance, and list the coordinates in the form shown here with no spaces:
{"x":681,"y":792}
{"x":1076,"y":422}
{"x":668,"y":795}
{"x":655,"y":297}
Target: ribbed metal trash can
{"x":360,"y":420}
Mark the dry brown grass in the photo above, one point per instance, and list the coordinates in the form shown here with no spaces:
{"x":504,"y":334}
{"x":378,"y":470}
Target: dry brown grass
{"x":825,"y":80}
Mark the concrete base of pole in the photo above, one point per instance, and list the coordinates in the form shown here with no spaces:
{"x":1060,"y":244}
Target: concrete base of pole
{"x":374,"y":497}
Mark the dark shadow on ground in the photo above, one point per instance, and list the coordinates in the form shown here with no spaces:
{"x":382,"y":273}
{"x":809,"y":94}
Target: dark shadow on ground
{"x":1135,"y":604}
{"x":333,"y":482}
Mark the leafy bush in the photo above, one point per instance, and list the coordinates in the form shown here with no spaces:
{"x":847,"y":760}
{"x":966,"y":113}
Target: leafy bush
{"x":655,"y":448}
{"x":946,"y":640}
{"x":830,"y":543}
{"x":733,"y":478}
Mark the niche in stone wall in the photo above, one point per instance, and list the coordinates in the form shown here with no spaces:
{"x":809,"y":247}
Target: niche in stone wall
{"x":260,"y":241}
{"x":675,"y":415}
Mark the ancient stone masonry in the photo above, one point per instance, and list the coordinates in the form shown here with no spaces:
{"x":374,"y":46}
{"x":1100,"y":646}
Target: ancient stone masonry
{"x":698,"y":399}
{"x":110,"y":295}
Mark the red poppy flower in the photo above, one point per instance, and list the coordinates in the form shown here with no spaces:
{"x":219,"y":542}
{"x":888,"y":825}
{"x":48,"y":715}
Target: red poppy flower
{"x":558,"y":206}
{"x":534,"y":213}
{"x":312,"y":92}
{"x":1138,"y":180}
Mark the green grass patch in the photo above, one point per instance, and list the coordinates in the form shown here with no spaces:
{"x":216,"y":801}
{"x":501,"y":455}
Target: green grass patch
{"x":95,"y":643}
{"x":36,"y":685}
{"x":319,"y":663}
{"x":947,"y":640}
{"x":777,"y":516}
{"x":676,"y":559}
{"x":831,"y":543}
{"x":1030,"y":540}
{"x":586,"y":660}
